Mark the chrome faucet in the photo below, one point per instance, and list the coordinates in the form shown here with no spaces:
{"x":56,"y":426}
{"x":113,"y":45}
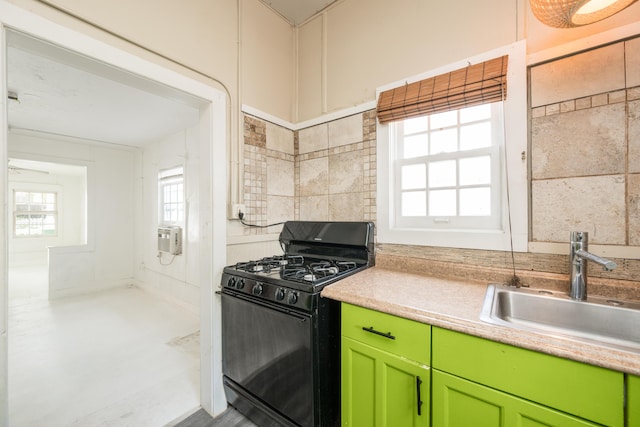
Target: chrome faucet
{"x":578,"y":257}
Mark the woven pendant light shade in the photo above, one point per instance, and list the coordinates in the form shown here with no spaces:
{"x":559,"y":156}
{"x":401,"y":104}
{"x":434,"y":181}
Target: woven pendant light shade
{"x":574,"y":13}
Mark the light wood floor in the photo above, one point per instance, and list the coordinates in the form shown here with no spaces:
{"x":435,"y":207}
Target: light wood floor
{"x":115,"y":358}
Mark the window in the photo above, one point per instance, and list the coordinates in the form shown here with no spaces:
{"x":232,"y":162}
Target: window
{"x":35,"y":214}
{"x":453,"y":173}
{"x":171,"y":195}
{"x":447,"y":169}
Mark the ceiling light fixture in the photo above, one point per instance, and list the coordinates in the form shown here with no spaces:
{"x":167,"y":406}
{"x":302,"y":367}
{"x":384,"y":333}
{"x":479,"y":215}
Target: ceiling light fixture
{"x":574,"y":13}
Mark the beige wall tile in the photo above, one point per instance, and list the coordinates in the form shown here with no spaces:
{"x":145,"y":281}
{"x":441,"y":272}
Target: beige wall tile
{"x":632,"y":56}
{"x":279,"y":138}
{"x":579,"y":143}
{"x":313,"y":139}
{"x":592,"y":204}
{"x":589,"y":73}
{"x":634,"y":209}
{"x":279,"y":208}
{"x":280,"y":177}
{"x":314,"y":177}
{"x":346,"y":207}
{"x":346,"y":172}
{"x":634,"y":136}
{"x":314,"y":208}
{"x":345,"y":131}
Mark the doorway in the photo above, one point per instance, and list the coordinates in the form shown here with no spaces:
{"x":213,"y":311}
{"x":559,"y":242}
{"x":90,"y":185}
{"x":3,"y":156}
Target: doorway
{"x":209,"y":106}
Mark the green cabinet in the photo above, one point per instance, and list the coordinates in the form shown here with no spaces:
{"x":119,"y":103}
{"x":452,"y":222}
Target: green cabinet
{"x":461,"y":403}
{"x":385,"y":372}
{"x":633,"y":401}
{"x":586,"y":392}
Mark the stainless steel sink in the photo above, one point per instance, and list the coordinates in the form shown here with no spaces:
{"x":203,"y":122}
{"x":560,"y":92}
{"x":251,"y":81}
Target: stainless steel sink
{"x":612,"y":323}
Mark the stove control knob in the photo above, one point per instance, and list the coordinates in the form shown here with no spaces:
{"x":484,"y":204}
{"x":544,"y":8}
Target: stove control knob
{"x":280,"y":294}
{"x":293,"y":298}
{"x":240,"y":284}
{"x":257,"y":289}
{"x":231,"y":283}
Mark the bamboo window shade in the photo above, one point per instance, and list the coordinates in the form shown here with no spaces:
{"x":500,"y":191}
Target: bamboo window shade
{"x":476,"y":84}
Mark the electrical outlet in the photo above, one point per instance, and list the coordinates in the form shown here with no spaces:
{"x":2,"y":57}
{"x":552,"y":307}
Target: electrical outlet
{"x":237,"y":208}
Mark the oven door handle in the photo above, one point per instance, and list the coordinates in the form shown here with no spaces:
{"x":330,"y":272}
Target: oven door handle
{"x":266,"y":305}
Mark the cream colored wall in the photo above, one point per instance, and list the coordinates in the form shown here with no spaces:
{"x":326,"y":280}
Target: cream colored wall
{"x":370,"y":43}
{"x":267,"y":60}
{"x":199,"y":34}
{"x":349,"y":50}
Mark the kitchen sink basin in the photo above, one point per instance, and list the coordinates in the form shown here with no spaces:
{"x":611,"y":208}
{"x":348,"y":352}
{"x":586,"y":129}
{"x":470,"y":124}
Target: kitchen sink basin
{"x":608,"y":322}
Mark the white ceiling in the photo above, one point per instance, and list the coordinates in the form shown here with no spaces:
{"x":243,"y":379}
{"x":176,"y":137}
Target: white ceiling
{"x":297,"y":11}
{"x":62,"y":93}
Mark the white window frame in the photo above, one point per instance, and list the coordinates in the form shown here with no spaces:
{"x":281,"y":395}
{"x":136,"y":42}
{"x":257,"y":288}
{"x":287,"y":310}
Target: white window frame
{"x":512,"y":230}
{"x":53,"y":213}
{"x":171,"y":177}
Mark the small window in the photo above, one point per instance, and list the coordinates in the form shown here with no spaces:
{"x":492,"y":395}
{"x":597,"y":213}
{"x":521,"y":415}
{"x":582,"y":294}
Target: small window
{"x":171,"y":195}
{"x":35,"y":214}
{"x":451,"y":149}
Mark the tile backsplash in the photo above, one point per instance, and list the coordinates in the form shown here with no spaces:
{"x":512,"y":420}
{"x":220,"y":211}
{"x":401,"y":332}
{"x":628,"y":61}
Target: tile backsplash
{"x":584,"y":131}
{"x":322,"y":173}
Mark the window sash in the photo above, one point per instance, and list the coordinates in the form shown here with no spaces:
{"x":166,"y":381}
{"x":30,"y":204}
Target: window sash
{"x":457,"y":221}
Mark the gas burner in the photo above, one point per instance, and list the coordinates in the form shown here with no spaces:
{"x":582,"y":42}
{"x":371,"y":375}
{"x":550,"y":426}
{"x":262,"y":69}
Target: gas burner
{"x":265,"y":265}
{"x":315,"y":271}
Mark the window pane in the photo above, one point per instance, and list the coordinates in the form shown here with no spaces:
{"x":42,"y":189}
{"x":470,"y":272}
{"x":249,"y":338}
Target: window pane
{"x":444,"y":141}
{"x":442,"y":203}
{"x":475,"y":202}
{"x":442,"y":174}
{"x":416,"y":146}
{"x":22,"y":197}
{"x":414,"y":203}
{"x":49,"y":225}
{"x":442,"y":120}
{"x":414,"y":177}
{"x":472,"y":114}
{"x":475,"y":136}
{"x":36,"y":198}
{"x":22,"y":225}
{"x":475,"y":170}
{"x":418,"y":124}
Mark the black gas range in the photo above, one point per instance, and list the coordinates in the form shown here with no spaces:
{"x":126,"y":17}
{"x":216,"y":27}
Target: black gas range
{"x":281,"y":340}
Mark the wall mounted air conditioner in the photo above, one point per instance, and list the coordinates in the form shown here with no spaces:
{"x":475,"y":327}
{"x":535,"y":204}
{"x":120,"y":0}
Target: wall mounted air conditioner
{"x":170,"y":240}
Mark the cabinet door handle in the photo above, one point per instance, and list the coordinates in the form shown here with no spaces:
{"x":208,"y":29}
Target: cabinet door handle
{"x":382,"y":334}
{"x":418,"y":384}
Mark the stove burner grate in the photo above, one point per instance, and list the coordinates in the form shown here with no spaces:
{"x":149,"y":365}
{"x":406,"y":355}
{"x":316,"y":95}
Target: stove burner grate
{"x":267,"y":264}
{"x":317,"y":270}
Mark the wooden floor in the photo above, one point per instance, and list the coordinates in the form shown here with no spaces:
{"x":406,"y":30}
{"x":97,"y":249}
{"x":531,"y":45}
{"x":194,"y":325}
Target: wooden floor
{"x":229,"y":418}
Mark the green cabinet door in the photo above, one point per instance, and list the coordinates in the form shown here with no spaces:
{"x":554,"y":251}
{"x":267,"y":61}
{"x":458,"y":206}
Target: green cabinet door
{"x":633,"y":401}
{"x":461,"y":403}
{"x":380,"y":389}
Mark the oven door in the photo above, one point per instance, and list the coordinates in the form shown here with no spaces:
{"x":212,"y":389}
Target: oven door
{"x":267,"y":352}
